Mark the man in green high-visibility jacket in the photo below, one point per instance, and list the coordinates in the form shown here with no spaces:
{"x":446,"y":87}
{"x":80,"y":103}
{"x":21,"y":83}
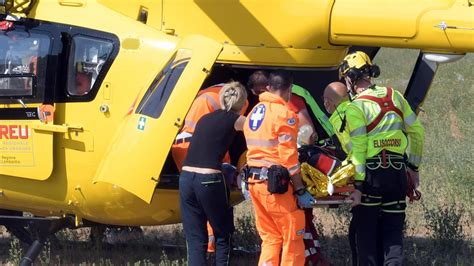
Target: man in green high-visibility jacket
{"x":381,"y":124}
{"x":336,"y":101}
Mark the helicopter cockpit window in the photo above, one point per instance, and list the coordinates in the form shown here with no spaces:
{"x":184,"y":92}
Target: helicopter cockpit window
{"x":22,"y":63}
{"x":87,"y":57}
{"x":160,"y":90}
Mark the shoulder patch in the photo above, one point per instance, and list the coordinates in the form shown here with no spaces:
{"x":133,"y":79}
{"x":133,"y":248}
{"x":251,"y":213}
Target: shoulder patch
{"x":291,"y":121}
{"x":256,"y":117}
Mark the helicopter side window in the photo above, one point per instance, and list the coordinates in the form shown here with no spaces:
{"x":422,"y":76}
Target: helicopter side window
{"x":86,"y":59}
{"x":22,"y":63}
{"x":160,"y":90}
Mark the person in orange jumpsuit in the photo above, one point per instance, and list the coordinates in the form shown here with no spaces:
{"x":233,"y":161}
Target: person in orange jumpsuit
{"x":270,"y":131}
{"x":257,"y":84}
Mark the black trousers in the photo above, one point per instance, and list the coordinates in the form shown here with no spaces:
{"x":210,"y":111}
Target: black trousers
{"x":378,"y":222}
{"x":204,"y":197}
{"x":353,"y":241}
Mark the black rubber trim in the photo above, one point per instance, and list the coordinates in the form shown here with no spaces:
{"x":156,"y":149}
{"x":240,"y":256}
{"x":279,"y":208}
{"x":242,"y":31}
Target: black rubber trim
{"x":19,"y":114}
{"x":420,"y":82}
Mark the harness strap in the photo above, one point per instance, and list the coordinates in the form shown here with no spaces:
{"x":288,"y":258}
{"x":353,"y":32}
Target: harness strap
{"x":386,"y":105}
{"x":384,"y":159}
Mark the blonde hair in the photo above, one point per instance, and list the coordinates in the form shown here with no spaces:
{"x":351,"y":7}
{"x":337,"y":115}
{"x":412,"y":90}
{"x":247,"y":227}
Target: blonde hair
{"x":233,"y":96}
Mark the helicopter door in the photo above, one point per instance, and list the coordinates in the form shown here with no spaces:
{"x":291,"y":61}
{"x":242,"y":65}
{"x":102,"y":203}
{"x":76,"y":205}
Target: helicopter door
{"x":139,"y":149}
{"x":25,"y":152}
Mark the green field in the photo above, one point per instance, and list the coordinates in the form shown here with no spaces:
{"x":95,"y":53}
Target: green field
{"x":439,"y":228}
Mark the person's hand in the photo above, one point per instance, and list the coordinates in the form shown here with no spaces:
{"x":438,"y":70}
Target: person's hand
{"x":305,"y":200}
{"x":355,"y":197}
{"x":414,"y":177}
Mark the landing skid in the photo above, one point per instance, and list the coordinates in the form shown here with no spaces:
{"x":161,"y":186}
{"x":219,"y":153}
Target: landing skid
{"x":45,"y":227}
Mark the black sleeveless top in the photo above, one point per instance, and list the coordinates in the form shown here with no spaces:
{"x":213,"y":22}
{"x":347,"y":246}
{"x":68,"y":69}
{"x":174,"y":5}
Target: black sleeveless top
{"x":211,"y":139}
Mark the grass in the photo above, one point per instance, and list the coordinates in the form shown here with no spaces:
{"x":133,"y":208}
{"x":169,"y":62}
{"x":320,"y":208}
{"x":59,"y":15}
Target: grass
{"x":439,"y":229}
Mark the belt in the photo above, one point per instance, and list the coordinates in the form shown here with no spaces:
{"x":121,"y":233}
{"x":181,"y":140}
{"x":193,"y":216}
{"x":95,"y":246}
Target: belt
{"x":386,"y":159}
{"x":182,"y":140}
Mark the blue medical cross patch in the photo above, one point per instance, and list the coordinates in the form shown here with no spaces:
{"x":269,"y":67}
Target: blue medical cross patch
{"x":257,"y":116}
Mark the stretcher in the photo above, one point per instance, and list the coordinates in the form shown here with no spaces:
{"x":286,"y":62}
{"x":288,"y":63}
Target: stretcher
{"x":333,"y":190}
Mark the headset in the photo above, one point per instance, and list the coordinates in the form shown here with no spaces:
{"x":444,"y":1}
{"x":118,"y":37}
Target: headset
{"x":355,"y":66}
{"x":355,"y":74}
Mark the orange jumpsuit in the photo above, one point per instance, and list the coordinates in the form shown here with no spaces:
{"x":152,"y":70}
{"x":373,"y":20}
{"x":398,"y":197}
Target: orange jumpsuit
{"x":270,"y":132}
{"x":206,"y":102}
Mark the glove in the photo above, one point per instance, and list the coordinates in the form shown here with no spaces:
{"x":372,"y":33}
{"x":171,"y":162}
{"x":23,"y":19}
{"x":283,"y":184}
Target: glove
{"x":305,"y":200}
{"x":414,"y":176}
{"x":413,"y":181}
{"x":355,"y":198}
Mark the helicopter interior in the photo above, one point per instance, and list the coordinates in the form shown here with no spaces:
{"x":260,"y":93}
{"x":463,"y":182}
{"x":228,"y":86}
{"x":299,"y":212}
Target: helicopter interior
{"x":32,"y":52}
{"x":312,"y":79}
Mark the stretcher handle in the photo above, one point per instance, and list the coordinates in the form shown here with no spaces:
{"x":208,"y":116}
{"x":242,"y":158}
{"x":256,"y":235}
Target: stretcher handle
{"x":324,"y":202}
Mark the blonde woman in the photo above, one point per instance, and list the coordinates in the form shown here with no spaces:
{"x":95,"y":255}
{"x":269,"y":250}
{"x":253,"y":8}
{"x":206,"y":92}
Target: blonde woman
{"x":202,"y":188}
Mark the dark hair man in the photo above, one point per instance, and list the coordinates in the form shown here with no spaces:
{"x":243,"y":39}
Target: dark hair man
{"x":270,"y":131}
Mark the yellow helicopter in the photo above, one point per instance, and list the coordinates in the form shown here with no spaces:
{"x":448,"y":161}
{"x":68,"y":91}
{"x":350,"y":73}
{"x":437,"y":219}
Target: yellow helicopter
{"x":94,"y":92}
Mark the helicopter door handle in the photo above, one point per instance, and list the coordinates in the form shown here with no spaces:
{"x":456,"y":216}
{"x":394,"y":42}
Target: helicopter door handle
{"x":71,"y":3}
{"x":178,"y":123}
{"x":169,"y":31}
{"x":57,"y":128}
